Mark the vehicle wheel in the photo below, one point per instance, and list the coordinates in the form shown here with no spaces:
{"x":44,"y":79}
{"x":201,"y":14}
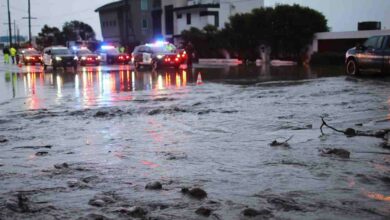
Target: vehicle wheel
{"x":352,"y":68}
{"x":154,"y":65}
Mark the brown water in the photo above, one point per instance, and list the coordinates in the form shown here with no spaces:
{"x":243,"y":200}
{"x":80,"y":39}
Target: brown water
{"x":118,"y":129}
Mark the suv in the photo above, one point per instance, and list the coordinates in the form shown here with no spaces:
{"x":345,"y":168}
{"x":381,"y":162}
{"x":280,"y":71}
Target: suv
{"x":59,"y":56}
{"x":156,"y":55}
{"x":372,"y":56}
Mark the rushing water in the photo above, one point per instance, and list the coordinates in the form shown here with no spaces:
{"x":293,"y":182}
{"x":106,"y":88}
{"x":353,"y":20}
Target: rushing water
{"x":118,"y":129}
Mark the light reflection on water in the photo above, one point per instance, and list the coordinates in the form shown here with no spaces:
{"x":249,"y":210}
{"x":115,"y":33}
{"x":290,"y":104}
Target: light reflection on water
{"x":101,"y":85}
{"x":90,"y":85}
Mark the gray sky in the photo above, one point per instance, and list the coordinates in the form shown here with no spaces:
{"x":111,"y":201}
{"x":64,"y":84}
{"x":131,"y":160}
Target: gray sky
{"x":342,"y":15}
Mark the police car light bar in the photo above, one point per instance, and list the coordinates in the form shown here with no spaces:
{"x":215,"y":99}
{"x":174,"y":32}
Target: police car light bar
{"x":106,"y":47}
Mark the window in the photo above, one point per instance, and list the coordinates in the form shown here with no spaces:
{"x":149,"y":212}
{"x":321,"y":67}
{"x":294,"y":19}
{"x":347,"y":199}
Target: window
{"x":144,"y":23}
{"x":388,"y":43}
{"x":371,"y":42}
{"x":144,"y":5}
{"x":188,"y":18}
{"x":179,"y":16}
{"x":156,"y":4}
{"x":380,"y":42}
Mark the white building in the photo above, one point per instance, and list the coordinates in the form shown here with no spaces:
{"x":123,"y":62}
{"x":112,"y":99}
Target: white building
{"x":179,"y":15}
{"x":342,"y":41}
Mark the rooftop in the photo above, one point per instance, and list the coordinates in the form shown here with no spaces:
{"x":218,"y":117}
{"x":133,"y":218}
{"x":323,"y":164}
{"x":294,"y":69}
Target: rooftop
{"x":111,"y":6}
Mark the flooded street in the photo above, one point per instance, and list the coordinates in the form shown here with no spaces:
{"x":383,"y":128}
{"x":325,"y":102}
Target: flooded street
{"x":85,"y":145}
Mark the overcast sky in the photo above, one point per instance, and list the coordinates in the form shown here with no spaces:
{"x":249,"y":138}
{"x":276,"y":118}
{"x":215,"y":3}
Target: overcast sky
{"x":342,"y":15}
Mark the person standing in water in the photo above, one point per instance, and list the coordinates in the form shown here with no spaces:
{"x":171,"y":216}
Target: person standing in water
{"x":13,"y":51}
{"x":6,"y":55}
{"x":189,"y":50}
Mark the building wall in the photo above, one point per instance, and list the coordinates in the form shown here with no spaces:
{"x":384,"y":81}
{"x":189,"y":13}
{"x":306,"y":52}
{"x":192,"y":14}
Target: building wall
{"x":334,"y":41}
{"x":196,"y":21}
{"x":227,"y":9}
{"x":110,"y":26}
{"x":131,"y":30}
{"x":138,"y":16}
{"x":175,"y":3}
{"x":231,"y":7}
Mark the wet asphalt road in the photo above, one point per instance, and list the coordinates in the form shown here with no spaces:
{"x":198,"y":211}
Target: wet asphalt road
{"x":85,"y":144}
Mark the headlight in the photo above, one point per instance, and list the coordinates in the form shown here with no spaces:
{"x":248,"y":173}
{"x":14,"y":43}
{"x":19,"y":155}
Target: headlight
{"x":83,"y":58}
{"x":99,"y":57}
{"x":160,"y":56}
{"x":75,"y":58}
{"x":58,"y":58}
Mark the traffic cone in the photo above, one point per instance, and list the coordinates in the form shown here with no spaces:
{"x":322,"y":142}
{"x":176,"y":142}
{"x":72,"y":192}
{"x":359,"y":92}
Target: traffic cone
{"x":199,"y":80}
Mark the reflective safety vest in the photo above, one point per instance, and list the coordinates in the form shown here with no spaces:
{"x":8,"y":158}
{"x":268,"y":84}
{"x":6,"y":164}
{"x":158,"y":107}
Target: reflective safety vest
{"x":12,"y":51}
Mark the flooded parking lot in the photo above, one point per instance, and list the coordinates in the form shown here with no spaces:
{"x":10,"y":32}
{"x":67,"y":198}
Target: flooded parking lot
{"x":86,"y":144}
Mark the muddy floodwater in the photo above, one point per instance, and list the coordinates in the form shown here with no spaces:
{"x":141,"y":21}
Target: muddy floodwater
{"x":113,"y":143}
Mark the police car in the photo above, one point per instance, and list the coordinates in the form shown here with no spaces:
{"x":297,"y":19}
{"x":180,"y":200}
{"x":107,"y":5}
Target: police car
{"x":155,"y":55}
{"x":59,"y":56}
{"x":86,"y":57}
{"x":110,"y":55}
{"x":29,"y":56}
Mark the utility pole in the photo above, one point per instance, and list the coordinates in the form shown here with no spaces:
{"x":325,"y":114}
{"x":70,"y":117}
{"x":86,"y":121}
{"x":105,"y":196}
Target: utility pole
{"x":29,"y":22}
{"x":9,"y":25}
{"x":15,"y":31}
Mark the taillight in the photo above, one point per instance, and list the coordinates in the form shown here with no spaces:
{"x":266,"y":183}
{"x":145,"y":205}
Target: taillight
{"x":127,"y":57}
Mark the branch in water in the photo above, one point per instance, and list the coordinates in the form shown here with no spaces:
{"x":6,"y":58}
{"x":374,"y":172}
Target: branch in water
{"x":276,"y":143}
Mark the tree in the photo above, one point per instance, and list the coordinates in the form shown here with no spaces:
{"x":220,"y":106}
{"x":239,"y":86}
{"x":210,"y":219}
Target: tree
{"x":286,"y":29}
{"x":294,"y":28}
{"x":50,"y":36}
{"x":71,"y":31}
{"x":77,"y":30}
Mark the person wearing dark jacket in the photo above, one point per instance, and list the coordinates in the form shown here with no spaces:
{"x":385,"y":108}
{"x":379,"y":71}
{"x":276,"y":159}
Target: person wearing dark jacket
{"x":6,"y":54}
{"x":189,"y":50}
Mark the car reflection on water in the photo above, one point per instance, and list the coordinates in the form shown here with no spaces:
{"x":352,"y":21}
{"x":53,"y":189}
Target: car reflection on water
{"x":92,"y":85}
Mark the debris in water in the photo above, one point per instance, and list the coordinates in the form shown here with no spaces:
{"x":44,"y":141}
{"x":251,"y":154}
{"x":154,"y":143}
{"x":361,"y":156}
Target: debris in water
{"x":249,"y":212}
{"x":203,"y":211}
{"x":336,"y":151}
{"x":19,"y":205}
{"x":276,"y":143}
{"x":196,"y":193}
{"x":41,"y":153}
{"x":154,"y":186}
{"x":61,"y":166}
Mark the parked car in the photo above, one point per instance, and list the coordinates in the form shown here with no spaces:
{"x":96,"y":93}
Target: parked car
{"x":86,"y":57}
{"x":29,"y":56}
{"x":111,"y":55}
{"x":59,"y":56}
{"x":159,"y":54}
{"x":372,"y":56}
